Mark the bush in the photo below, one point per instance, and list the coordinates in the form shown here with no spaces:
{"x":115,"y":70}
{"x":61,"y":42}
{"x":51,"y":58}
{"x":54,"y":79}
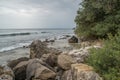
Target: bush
{"x":106,"y":60}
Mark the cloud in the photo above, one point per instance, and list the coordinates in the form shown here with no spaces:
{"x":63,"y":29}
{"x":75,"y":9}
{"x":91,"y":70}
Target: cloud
{"x":37,"y":13}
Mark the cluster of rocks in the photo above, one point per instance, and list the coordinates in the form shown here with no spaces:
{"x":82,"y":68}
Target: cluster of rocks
{"x":47,"y":64}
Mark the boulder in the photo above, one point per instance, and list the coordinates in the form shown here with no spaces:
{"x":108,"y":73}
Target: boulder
{"x":65,"y":61}
{"x":83,"y":72}
{"x":6,"y":73}
{"x":73,"y":39}
{"x":20,"y":70}
{"x":13,"y":63}
{"x":37,"y":71}
{"x":37,"y":49}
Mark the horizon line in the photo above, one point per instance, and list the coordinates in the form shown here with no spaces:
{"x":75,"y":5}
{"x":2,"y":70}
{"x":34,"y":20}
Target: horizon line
{"x":31,"y":28}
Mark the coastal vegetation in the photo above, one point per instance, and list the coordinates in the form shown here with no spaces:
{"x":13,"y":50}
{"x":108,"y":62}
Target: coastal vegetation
{"x":100,"y":19}
{"x":106,"y":60}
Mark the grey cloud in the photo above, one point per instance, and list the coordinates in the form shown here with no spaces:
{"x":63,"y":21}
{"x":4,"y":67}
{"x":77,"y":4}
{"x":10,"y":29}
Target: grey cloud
{"x":45,"y":13}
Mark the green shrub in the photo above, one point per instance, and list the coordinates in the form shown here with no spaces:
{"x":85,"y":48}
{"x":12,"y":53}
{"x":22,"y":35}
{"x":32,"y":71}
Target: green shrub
{"x":106,"y":60}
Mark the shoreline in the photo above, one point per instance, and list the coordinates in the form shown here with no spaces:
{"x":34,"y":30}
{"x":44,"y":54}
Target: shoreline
{"x":9,"y":55}
{"x":58,"y":60}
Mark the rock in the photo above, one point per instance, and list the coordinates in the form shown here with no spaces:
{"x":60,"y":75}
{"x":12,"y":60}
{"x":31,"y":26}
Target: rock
{"x":1,"y":70}
{"x":67,"y":35}
{"x":37,"y":71}
{"x":81,"y":54}
{"x":83,"y":72}
{"x":44,"y":73}
{"x":73,"y":39}
{"x":67,"y":75}
{"x":65,"y":61}
{"x":20,"y":70}
{"x":6,"y":73}
{"x":51,"y":40}
{"x":26,"y":46}
{"x":50,"y":59}
{"x":64,"y":37}
{"x":6,"y":77}
{"x":59,"y":74}
{"x":47,"y":41}
{"x":13,"y":63}
{"x":44,"y":32}
{"x":37,"y":49}
{"x":55,"y":51}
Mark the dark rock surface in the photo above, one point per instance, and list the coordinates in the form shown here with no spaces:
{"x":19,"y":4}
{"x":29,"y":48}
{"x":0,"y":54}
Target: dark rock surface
{"x":73,"y":39}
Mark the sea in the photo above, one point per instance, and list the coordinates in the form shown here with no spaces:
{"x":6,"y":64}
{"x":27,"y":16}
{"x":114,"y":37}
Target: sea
{"x":15,"y":38}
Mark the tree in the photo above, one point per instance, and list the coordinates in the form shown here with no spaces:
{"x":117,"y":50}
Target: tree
{"x":98,"y":18}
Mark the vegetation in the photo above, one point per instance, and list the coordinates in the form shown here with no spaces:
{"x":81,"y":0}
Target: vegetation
{"x":97,"y":18}
{"x":106,"y":60}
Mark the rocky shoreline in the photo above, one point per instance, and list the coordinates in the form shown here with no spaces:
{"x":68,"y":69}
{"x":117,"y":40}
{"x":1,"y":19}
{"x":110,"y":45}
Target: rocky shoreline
{"x":46,"y":63}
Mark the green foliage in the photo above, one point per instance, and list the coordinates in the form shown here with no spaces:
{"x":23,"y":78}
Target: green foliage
{"x":106,"y":60}
{"x":97,"y":18}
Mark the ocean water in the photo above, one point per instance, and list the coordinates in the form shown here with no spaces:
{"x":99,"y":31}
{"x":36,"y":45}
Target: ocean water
{"x":15,"y":38}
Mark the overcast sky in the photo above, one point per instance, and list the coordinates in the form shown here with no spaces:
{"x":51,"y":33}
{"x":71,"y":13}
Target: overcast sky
{"x":38,"y":13}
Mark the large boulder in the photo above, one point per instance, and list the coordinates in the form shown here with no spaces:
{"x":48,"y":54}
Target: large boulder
{"x":65,"y":61}
{"x":37,"y":49}
{"x":73,"y":39}
{"x":6,"y":73}
{"x":83,"y":72}
{"x":37,"y":71}
{"x":20,"y":70}
{"x":13,"y":63}
{"x":80,"y":72}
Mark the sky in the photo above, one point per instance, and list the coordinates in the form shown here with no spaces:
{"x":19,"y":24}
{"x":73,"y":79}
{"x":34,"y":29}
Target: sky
{"x":38,"y":13}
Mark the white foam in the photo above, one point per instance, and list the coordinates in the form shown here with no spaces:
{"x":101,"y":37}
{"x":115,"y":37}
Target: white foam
{"x":14,"y":46}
